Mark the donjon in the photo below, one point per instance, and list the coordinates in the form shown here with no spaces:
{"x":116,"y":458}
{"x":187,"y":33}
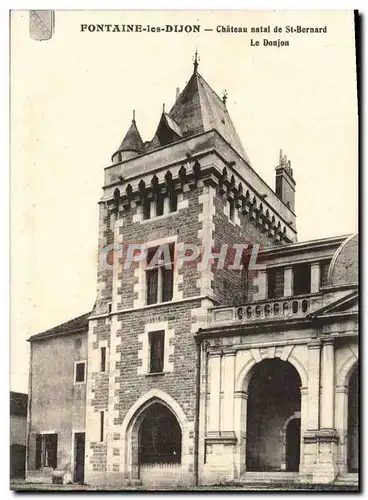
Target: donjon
{"x":219,"y":348}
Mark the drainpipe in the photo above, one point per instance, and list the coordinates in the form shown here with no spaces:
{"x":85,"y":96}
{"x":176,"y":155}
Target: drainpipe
{"x":197,"y":405}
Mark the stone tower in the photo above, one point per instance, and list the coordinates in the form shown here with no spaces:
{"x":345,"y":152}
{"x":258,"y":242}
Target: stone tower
{"x":192,"y":184}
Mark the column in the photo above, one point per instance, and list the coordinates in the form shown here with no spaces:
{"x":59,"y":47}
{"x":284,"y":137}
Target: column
{"x":327,"y":378}
{"x":227,"y":425}
{"x":341,"y":424}
{"x":214,"y":363}
{"x":326,"y":466}
{"x":304,"y":416}
{"x":262,"y":285}
{"x":240,"y":426}
{"x":313,"y":385}
{"x":288,"y":281}
{"x":315,"y":277}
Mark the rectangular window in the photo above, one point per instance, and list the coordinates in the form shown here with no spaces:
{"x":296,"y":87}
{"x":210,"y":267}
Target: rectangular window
{"x":102,"y":425}
{"x":302,"y":279}
{"x":232,"y":210}
{"x":275,"y":279}
{"x":46,"y":450}
{"x":156,"y":344}
{"x":146,"y":209}
{"x":159,"y":276}
{"x":173,"y":201}
{"x":159,"y":205}
{"x":103,"y":359}
{"x":80,"y":371}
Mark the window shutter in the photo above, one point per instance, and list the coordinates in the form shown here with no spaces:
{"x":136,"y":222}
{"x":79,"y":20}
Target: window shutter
{"x":38,"y":451}
{"x":53,"y":452}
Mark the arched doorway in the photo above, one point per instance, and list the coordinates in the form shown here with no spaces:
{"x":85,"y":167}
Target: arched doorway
{"x":353,"y":422}
{"x":273,"y":395}
{"x":159,"y":437}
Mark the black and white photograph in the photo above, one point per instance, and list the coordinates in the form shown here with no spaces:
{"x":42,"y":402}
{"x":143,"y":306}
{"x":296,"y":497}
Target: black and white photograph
{"x":184,"y":258}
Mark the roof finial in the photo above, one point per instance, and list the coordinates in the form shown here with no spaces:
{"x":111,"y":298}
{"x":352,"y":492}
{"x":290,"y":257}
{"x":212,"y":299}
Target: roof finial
{"x":224,"y":96}
{"x":163,"y":107}
{"x":196,"y":60}
{"x":133,"y":115}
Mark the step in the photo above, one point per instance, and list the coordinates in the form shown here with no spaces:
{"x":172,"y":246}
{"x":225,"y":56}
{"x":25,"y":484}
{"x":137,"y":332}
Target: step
{"x":270,"y":477}
{"x":348,"y":478}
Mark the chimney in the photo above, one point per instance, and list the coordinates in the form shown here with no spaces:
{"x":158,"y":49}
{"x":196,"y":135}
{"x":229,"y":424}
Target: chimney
{"x":285,"y":183}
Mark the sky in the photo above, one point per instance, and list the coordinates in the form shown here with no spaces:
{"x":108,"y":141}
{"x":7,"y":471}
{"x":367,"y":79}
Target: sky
{"x":72,"y":99}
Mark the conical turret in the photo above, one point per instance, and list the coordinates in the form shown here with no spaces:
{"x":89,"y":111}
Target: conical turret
{"x":132,"y":144}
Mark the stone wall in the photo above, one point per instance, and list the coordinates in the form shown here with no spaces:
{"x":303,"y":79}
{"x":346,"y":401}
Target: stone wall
{"x":57,"y":404}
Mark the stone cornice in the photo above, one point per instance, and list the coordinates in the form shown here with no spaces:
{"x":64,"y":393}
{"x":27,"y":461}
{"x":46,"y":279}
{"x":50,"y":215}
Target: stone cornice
{"x":240,"y":329}
{"x":224,"y":437}
{"x":247,"y":201}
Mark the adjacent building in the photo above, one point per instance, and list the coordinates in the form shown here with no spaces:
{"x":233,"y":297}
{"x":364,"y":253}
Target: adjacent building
{"x":18,"y":433}
{"x":201,"y":363}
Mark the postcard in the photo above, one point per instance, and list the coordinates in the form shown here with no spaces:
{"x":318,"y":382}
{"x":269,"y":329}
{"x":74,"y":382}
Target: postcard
{"x":184,"y":257}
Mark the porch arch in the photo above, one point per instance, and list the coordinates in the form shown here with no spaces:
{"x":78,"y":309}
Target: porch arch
{"x":345,"y":371}
{"x":245,"y":374}
{"x":273,"y":395}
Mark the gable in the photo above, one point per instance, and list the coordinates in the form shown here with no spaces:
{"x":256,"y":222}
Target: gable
{"x":344,"y":306}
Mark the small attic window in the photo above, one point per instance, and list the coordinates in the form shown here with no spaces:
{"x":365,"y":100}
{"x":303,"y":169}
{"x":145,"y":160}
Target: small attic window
{"x":173,"y":201}
{"x":146,"y":209}
{"x":232,"y":210}
{"x":160,"y":205}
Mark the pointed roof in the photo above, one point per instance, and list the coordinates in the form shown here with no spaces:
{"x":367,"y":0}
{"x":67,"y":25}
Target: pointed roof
{"x":199,"y":109}
{"x":171,"y":124}
{"x":132,"y":140}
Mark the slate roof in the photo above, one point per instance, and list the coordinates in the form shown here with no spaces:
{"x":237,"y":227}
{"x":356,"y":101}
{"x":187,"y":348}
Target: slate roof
{"x":73,"y":325}
{"x":132,"y":140}
{"x":18,"y":403}
{"x":172,"y":124}
{"x":197,"y":109}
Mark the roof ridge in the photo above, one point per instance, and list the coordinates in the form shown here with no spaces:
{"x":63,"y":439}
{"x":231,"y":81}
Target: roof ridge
{"x":61,"y":327}
{"x":214,"y":92}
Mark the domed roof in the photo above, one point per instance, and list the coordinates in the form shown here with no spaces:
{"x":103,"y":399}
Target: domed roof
{"x":344,"y":267}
